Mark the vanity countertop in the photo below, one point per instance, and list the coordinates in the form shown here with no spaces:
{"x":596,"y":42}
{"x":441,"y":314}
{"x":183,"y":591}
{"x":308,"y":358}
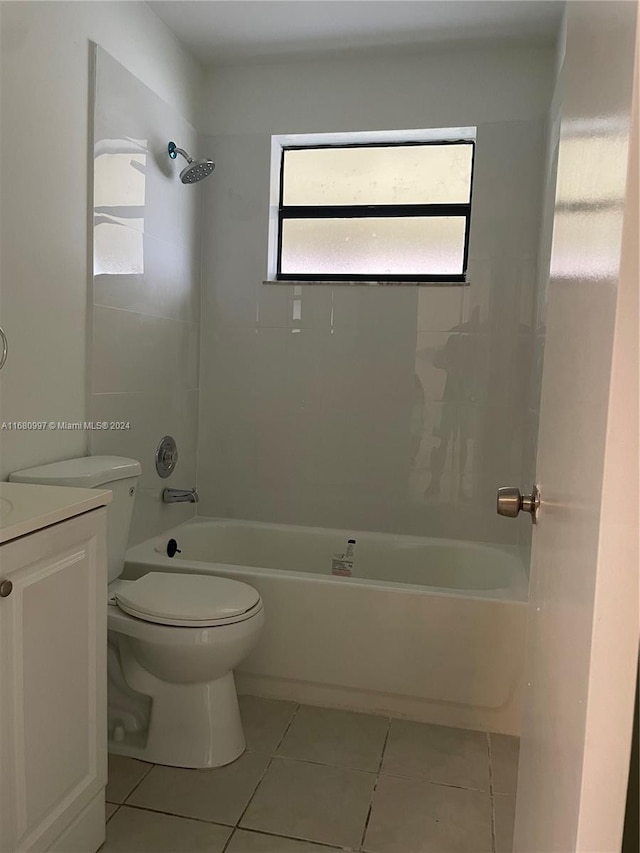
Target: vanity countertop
{"x":27,"y":507}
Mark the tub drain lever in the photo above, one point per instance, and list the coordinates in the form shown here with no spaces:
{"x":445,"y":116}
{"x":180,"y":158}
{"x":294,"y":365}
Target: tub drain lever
{"x":172,"y":548}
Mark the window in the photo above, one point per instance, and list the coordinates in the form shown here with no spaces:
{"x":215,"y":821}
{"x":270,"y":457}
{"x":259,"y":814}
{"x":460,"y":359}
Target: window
{"x":375,"y":211}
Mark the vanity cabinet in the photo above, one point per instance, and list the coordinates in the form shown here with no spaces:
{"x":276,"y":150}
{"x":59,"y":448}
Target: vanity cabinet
{"x":53,"y":642}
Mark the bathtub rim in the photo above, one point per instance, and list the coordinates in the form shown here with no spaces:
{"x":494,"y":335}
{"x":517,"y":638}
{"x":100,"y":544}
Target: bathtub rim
{"x":146,"y":553}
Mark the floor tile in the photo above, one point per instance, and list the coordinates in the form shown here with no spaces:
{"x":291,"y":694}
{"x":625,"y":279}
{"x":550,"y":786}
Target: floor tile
{"x":109,"y":810}
{"x":437,"y":754}
{"x":124,"y":775}
{"x":264,"y":721}
{"x":411,"y":816}
{"x":219,"y":794}
{"x":342,"y":738}
{"x":138,"y":831}
{"x":504,"y":810}
{"x":244,"y":841}
{"x":504,"y":763}
{"x":312,"y":802}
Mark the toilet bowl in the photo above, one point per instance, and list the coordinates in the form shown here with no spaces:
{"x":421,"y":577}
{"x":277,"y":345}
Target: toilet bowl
{"x":174,"y":639}
{"x":185,"y":666}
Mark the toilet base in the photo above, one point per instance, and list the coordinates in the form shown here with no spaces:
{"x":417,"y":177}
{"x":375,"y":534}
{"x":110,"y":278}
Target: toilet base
{"x":191,"y":725}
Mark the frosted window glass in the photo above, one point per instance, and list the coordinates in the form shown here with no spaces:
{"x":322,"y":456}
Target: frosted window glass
{"x":405,"y":174}
{"x":402,"y":245}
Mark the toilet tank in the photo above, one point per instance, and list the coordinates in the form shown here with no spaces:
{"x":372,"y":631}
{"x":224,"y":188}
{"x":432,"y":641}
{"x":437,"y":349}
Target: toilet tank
{"x":116,"y":473}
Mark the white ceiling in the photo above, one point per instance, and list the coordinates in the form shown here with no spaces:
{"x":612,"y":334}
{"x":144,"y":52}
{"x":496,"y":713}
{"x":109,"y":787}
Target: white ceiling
{"x":223,"y":31}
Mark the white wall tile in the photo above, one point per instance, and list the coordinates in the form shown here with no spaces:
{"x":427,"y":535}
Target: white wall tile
{"x":274,"y":306}
{"x":127,"y":113}
{"x":138,"y":352}
{"x":437,"y":365}
{"x":398,"y":408}
{"x":165,"y":288}
{"x":439,"y":308}
{"x":151,"y":416}
{"x":151,"y":516}
{"x":145,"y":335}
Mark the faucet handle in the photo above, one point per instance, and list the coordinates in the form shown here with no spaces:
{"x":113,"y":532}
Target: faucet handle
{"x":166,"y":456}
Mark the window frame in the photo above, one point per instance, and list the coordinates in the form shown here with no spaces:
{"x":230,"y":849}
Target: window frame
{"x":364,"y":211}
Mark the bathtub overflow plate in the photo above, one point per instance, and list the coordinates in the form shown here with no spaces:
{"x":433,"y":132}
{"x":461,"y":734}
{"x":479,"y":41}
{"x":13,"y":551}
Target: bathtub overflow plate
{"x":166,"y":456}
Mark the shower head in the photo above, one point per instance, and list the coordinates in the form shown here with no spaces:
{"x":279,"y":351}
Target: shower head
{"x":195,"y":170}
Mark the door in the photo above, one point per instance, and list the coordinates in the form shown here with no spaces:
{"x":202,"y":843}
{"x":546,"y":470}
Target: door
{"x":52,"y":680}
{"x":583,"y":612}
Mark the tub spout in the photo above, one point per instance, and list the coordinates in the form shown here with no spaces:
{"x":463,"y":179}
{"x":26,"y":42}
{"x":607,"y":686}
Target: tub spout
{"x":175,"y":496}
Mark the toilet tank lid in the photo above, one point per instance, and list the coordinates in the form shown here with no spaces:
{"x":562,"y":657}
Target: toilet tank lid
{"x":86,"y":472}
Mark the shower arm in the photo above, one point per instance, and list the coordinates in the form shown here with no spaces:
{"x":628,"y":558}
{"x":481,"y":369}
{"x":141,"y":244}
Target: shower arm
{"x":174,"y":151}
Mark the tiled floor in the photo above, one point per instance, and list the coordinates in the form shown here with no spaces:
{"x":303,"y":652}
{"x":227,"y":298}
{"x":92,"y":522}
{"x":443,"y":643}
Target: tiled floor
{"x":315,"y":779}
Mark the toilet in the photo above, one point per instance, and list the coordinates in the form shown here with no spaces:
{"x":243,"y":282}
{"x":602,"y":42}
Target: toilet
{"x":174,"y":639}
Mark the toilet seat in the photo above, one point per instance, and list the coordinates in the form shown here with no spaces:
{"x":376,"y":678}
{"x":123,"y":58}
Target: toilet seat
{"x":188,"y":601}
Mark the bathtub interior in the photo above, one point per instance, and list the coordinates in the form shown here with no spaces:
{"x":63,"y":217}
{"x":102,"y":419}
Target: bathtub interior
{"x":419,"y":561}
{"x":429,"y":629}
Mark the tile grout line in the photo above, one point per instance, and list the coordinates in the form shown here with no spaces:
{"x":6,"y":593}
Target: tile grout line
{"x":144,"y":314}
{"x":268,"y":765}
{"x":344,"y":767}
{"x":375,"y":785}
{"x":384,"y":745}
{"x":320,"y":844}
{"x":491,"y":798}
{"x":253,"y":793}
{"x":114,"y":813}
{"x":316,"y":763}
{"x":379,"y":771}
{"x":179,"y":816}
{"x":286,"y":731}
{"x":232,"y":827}
{"x":137,"y":785}
{"x":228,"y":841}
{"x":428,"y":781}
{"x":203,"y":820}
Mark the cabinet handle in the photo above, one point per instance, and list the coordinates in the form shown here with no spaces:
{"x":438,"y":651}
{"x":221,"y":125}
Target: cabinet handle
{"x":5,"y":348}
{"x":6,"y":588}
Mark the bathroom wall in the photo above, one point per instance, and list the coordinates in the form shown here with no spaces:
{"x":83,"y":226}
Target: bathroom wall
{"x":539,"y":325}
{"x":44,"y":80}
{"x":398,"y":409}
{"x":146,"y":289}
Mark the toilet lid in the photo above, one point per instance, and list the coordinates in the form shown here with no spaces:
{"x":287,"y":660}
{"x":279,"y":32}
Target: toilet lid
{"x":187,"y":600}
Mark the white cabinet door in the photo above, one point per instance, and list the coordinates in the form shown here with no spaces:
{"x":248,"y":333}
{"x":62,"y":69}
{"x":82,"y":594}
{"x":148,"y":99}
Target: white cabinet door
{"x":52,"y":680}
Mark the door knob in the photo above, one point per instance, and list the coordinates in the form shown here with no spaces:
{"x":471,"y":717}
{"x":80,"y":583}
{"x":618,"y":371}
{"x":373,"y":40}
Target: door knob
{"x":511,"y":502}
{"x":5,"y":588}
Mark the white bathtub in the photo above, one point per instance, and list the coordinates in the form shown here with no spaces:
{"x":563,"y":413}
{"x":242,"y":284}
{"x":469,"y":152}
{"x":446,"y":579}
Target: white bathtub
{"x":431,"y":629}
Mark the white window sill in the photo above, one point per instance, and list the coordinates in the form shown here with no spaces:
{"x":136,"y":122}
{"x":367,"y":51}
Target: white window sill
{"x":368,"y":283}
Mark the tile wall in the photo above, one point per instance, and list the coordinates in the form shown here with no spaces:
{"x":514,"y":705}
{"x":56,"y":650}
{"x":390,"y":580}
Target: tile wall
{"x":393,"y":409}
{"x":146,"y":289}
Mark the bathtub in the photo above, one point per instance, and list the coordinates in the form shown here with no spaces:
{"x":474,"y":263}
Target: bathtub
{"x":429,"y":629}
